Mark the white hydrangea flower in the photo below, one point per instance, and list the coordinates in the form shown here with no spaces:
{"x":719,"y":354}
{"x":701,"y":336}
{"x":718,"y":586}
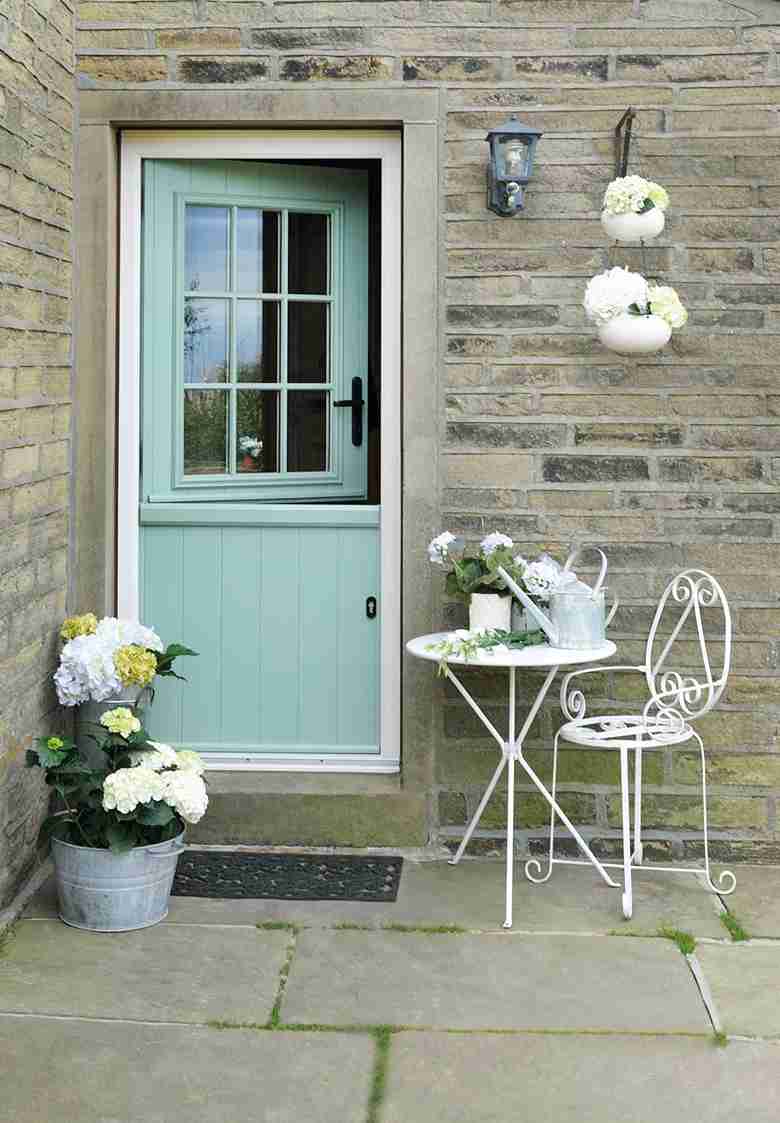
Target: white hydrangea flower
{"x":157,"y":757}
{"x":126,"y":788}
{"x":665,"y":302}
{"x":493,"y":541}
{"x":611,"y":293}
{"x":119,"y":633}
{"x":439,"y":548}
{"x":189,"y":761}
{"x":185,"y":792}
{"x":86,"y":671}
{"x":541,"y":577}
{"x":626,"y":195}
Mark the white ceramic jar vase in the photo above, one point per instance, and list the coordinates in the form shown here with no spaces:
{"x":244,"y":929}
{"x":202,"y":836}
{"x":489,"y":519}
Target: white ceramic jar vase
{"x":633,"y":227}
{"x":490,"y":612}
{"x":635,"y":335}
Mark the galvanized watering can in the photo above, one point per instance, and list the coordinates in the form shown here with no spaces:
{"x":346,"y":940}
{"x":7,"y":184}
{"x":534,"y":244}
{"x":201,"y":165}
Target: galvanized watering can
{"x":577,"y":617}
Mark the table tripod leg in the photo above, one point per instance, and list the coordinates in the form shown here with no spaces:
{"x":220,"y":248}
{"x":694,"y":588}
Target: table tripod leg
{"x":478,"y":813}
{"x":510,"y":840}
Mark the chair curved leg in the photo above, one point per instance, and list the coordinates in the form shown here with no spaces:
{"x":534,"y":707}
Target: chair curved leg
{"x":534,"y":863}
{"x":726,"y":875}
{"x":628,"y":904}
{"x":638,"y":848}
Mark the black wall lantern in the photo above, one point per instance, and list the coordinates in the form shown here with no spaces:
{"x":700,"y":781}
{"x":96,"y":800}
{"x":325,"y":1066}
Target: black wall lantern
{"x":512,"y":148}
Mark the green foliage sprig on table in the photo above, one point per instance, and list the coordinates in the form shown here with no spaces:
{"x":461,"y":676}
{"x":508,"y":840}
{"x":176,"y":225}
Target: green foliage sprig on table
{"x":467,"y":645}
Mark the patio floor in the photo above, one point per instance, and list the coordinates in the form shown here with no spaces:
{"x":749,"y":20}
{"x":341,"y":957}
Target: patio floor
{"x":423,"y":1010}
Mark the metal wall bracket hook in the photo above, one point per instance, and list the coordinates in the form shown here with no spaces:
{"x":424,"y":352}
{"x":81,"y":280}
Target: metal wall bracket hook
{"x":623,"y":142}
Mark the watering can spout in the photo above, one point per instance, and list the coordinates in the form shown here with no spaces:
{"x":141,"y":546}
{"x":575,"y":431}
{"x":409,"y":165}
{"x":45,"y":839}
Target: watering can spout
{"x":544,"y":622}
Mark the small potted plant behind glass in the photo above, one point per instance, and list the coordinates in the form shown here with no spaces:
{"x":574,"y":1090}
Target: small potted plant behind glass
{"x":251,"y":449}
{"x":632,"y":316}
{"x":117,"y":834}
{"x":474,"y":579}
{"x":634,"y":209}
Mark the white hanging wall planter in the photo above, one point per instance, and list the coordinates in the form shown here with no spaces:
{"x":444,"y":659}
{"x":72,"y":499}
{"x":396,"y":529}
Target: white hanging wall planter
{"x":635,"y":335}
{"x":632,"y":227}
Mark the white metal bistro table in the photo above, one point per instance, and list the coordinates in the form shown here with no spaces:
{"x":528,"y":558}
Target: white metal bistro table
{"x":541,"y":655}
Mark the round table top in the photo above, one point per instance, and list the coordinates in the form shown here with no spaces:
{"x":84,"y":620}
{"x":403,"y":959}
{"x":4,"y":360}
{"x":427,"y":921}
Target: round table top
{"x":540,"y":655}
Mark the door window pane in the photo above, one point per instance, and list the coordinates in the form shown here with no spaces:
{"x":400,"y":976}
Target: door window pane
{"x":257,"y":341}
{"x":257,"y":250}
{"x":307,"y":431}
{"x":205,"y":340}
{"x":205,"y":432}
{"x":307,"y":342}
{"x":257,"y":431}
{"x":307,"y":254}
{"x":206,"y":238}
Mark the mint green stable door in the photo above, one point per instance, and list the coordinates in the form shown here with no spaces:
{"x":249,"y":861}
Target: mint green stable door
{"x":258,"y":546}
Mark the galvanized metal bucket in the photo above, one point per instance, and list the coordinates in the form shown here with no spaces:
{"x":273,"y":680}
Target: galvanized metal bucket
{"x":105,"y":892}
{"x":88,"y":717}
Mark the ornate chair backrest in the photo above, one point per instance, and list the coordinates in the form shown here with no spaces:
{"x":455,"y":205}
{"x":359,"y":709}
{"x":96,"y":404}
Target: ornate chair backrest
{"x":686,"y":677}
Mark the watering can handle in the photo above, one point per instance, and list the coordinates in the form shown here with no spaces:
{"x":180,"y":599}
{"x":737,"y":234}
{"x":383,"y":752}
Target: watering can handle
{"x":612,"y":612}
{"x":575,"y":553}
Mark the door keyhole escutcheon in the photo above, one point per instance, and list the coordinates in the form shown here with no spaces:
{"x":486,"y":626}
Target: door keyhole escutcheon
{"x":371,"y":608}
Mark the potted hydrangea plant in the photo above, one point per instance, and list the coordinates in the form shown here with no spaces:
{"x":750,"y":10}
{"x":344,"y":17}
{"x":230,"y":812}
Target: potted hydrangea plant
{"x":117,"y":834}
{"x":108,"y":662}
{"x":474,"y":578}
{"x":632,"y":316}
{"x":251,"y":449}
{"x":633,"y":209}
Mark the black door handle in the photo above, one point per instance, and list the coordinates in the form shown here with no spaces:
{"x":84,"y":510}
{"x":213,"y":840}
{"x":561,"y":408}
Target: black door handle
{"x":356,"y":404}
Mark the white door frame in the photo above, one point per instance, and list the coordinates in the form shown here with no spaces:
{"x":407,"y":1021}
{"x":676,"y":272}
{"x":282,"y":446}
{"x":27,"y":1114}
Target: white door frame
{"x":202,"y":144}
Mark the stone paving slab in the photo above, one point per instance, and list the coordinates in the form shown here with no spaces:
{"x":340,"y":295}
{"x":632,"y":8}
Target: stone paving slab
{"x":756,"y":900}
{"x":745,"y":983}
{"x":471,"y":895}
{"x":90,"y":1072}
{"x":166,"y":973}
{"x":481,"y":982}
{"x":476,"y":1078}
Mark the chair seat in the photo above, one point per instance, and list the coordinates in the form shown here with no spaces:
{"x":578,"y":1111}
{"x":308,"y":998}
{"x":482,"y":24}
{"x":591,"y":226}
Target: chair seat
{"x":617,"y":731}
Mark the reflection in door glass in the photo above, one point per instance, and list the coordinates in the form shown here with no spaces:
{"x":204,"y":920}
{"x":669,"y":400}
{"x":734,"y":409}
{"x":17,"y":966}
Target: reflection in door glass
{"x":257,"y":341}
{"x":307,"y":341}
{"x":257,"y":250}
{"x":205,"y":432}
{"x":307,"y":253}
{"x":307,"y":431}
{"x":257,"y":431}
{"x":205,"y":340}
{"x":206,"y":231}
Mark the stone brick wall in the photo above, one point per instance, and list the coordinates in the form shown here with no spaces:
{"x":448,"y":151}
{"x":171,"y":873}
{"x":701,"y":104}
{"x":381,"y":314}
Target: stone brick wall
{"x":669,"y":462}
{"x":36,"y":157}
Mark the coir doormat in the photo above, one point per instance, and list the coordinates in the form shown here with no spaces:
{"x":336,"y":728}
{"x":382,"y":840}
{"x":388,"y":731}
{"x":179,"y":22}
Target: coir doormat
{"x":287,"y":877}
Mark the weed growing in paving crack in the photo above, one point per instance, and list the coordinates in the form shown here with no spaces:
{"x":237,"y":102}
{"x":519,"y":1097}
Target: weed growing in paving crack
{"x":348,"y":926}
{"x":719,"y":1039}
{"x":684,"y":940}
{"x":276,"y":926}
{"x":273,"y":1021}
{"x":382,"y":1036}
{"x":733,"y":927}
{"x":427,"y":930}
{"x":6,"y":936}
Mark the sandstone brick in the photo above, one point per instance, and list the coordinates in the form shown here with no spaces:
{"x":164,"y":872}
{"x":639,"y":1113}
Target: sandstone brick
{"x":551,"y":120}
{"x":113,"y":38}
{"x":751,"y":437}
{"x":613,"y":434}
{"x":532,"y":810}
{"x":336,"y":67}
{"x":215,"y":71}
{"x":490,"y":435}
{"x":642,"y":37}
{"x":594,"y":469}
{"x":568,"y":500}
{"x":710,"y":469}
{"x":673,"y":811}
{"x":124,"y":68}
{"x":452,"y":809}
{"x":764,"y":36}
{"x":748,"y":769}
{"x":21,"y":461}
{"x":561,"y":68}
{"x":720,"y":260}
{"x":691,"y":68}
{"x":728,"y":405}
{"x":319,"y":11}
{"x":481,"y":316}
{"x":723,"y":118}
{"x":54,"y":457}
{"x":492,"y":405}
{"x":485,"y":468}
{"x":564,"y":11}
{"x":419,"y":68}
{"x":475,"y":346}
{"x":199,"y":38}
{"x":144,"y":11}
{"x":574,"y":258}
{"x":459,"y":11}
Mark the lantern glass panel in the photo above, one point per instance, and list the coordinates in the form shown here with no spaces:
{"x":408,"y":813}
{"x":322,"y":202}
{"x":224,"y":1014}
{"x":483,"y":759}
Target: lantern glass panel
{"x":516,"y":153}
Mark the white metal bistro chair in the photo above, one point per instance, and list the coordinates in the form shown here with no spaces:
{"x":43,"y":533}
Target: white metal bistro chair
{"x":677,"y":698}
